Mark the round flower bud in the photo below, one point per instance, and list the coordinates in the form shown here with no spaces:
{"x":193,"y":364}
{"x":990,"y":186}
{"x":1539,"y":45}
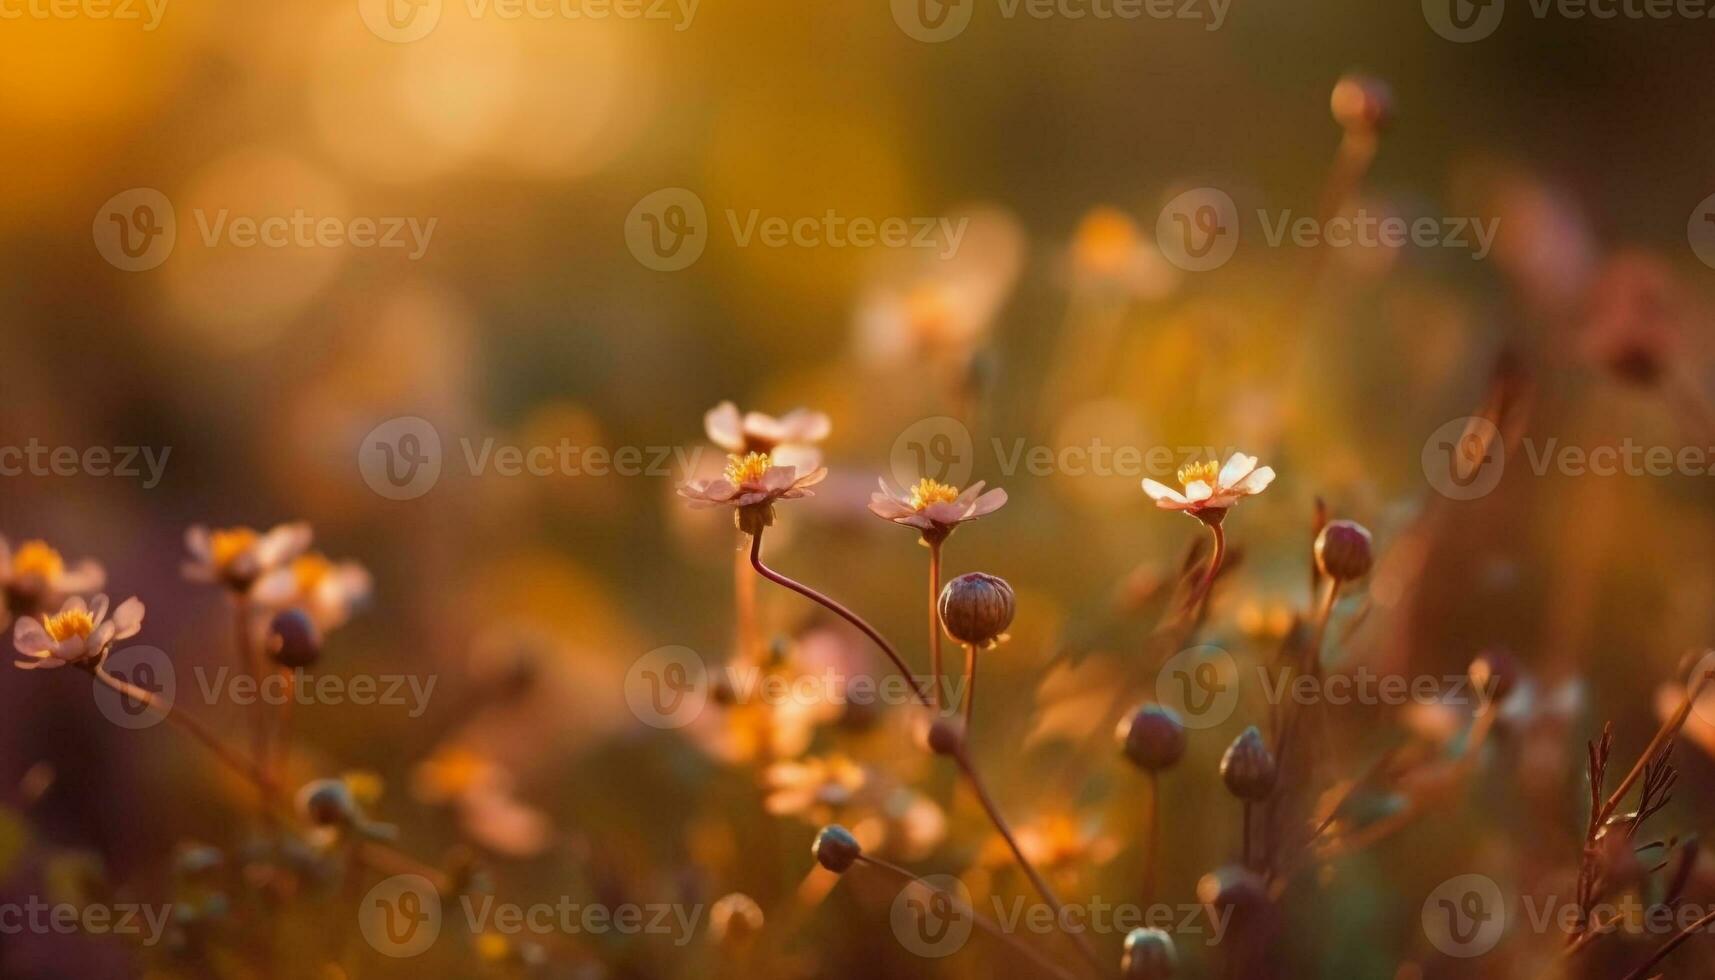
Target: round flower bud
{"x":944,"y":736}
{"x":1232,"y":888}
{"x":1153,"y":738}
{"x":835,"y":848}
{"x":1362,"y":102}
{"x":1149,"y":955}
{"x":293,"y":640}
{"x":977,"y":608}
{"x":1495,"y":673}
{"x":1248,"y":768}
{"x":327,"y":803}
{"x":1343,"y":551}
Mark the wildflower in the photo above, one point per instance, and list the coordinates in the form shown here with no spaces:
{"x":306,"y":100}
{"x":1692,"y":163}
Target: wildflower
{"x":836,"y":849}
{"x":752,"y":483}
{"x":1343,"y":551}
{"x":791,"y":438}
{"x":1248,"y":767}
{"x":977,"y":608}
{"x":935,"y":509}
{"x":1149,"y":955}
{"x":238,"y":557}
{"x":79,"y":633}
{"x":1209,"y":490}
{"x":35,"y":577}
{"x":815,"y":787}
{"x":325,"y":590}
{"x":1153,"y":738}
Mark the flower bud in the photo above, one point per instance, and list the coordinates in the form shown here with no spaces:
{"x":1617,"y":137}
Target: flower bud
{"x":944,"y":736}
{"x":294,"y":641}
{"x":328,"y":803}
{"x":1232,"y":889}
{"x":1153,"y":738}
{"x":1343,"y":551}
{"x":1362,"y":102}
{"x":1495,"y":673}
{"x":1149,"y":955}
{"x":1248,"y":768}
{"x":836,"y":849}
{"x":977,"y":608}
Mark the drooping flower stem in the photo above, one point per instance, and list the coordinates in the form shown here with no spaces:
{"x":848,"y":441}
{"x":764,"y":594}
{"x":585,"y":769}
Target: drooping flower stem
{"x":964,"y":908}
{"x":963,"y":758}
{"x":935,"y":623}
{"x":1216,"y":559}
{"x":838,"y":610}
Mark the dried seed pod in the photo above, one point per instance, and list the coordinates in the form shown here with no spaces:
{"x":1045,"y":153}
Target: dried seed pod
{"x":977,"y":608}
{"x":1343,"y":551}
{"x":836,"y":849}
{"x":1153,"y":738}
{"x":1248,"y":767}
{"x":294,"y":642}
{"x":1149,"y":955}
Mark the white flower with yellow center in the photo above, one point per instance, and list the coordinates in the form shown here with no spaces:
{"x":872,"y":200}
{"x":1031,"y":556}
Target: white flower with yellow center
{"x":239,"y":557}
{"x":751,"y":480}
{"x":327,"y":591}
{"x":35,"y":577}
{"x":935,"y":508}
{"x":1207,"y":488}
{"x":789,"y":440}
{"x":78,"y":633}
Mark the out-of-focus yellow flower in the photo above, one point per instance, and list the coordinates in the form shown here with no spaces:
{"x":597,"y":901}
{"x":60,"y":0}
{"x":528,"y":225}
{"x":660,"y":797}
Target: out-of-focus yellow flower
{"x":35,"y":577}
{"x":239,"y":557}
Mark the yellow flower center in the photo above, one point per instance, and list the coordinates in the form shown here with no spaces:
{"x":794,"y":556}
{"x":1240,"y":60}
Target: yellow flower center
{"x":1205,"y":472}
{"x":72,"y":622}
{"x":226,"y":546}
{"x":747,"y":469}
{"x":310,"y":570}
{"x":1105,"y":241}
{"x":929,"y":311}
{"x":928,"y":492}
{"x":36,"y":558}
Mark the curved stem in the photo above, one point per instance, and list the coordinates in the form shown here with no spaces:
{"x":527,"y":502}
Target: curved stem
{"x":935,"y":624}
{"x":1665,"y":734}
{"x":982,"y":921}
{"x":963,"y":758}
{"x":225,"y":753}
{"x":838,"y":610}
{"x":1216,"y":559}
{"x":1669,"y":946}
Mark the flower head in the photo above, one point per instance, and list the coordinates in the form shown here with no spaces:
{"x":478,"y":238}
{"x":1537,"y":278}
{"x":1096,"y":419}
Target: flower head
{"x":752,"y":483}
{"x":935,"y":509}
{"x":1208,"y":490}
{"x":239,"y":557}
{"x":326,"y":591}
{"x":789,"y":439}
{"x":79,"y":633}
{"x":35,"y":577}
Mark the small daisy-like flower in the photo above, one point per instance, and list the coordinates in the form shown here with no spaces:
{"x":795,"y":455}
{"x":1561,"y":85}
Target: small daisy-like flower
{"x":326,"y":590}
{"x":80,"y":633}
{"x":35,"y":577}
{"x":1209,"y":490}
{"x":238,"y":557}
{"x":935,"y":509}
{"x":752,"y":483}
{"x":814,"y":788}
{"x":790,"y":439}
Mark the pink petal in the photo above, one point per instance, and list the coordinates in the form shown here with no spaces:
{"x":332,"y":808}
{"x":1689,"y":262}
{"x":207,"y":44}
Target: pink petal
{"x":988,"y":503}
{"x":85,"y":576}
{"x":30,"y":638}
{"x":128,"y":618}
{"x":812,"y":478}
{"x":196,"y":541}
{"x":803,"y":425}
{"x":724,"y":427}
{"x":884,"y":506}
{"x":98,"y":609}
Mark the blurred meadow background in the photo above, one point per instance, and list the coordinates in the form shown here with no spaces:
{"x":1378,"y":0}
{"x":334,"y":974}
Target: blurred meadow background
{"x":530,"y":316}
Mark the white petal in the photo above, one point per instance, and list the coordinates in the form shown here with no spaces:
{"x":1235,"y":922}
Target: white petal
{"x":1160,"y":491}
{"x":1238,"y":467}
{"x":98,"y":609}
{"x":85,"y":576}
{"x":276,"y":588}
{"x":196,"y":541}
{"x":30,"y":638}
{"x":1256,"y":482}
{"x":724,"y":427}
{"x":1198,"y":490}
{"x":128,"y":618}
